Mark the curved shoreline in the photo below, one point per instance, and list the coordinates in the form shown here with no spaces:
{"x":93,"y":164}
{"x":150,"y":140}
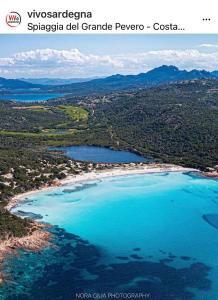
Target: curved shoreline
{"x":39,"y":237}
{"x":98,"y":175}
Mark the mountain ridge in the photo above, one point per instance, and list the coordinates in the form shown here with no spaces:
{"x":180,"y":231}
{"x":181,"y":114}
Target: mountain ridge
{"x":157,"y":76}
{"x":114,"y":83}
{"x":56,"y":81}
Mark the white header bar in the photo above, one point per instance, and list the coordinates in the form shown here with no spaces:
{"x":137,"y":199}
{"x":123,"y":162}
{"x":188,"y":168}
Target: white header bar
{"x":112,"y":16}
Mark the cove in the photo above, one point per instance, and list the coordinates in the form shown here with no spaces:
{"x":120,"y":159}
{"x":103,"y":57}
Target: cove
{"x":100,"y":154}
{"x":138,"y":233}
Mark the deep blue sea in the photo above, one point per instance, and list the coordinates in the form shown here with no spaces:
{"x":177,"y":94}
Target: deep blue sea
{"x":153,"y":234}
{"x":100,"y":154}
{"x":30,"y":97}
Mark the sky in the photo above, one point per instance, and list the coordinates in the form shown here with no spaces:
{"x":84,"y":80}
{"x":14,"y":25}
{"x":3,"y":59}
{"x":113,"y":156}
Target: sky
{"x":74,"y":56}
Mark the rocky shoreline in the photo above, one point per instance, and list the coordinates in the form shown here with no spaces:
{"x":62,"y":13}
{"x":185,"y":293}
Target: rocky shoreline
{"x":37,"y":238}
{"x":213,"y":174}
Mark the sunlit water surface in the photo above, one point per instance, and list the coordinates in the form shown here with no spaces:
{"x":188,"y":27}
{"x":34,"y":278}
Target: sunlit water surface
{"x":140,"y":233}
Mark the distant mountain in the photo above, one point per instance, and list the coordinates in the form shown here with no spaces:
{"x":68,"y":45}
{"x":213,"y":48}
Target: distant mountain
{"x":8,"y":84}
{"x":171,"y":73}
{"x":157,"y":76}
{"x":56,"y":81}
{"x":215,"y":73}
{"x":114,"y":83}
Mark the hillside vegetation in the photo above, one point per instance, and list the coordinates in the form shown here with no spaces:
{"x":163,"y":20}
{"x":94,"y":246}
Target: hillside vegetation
{"x":175,"y":123}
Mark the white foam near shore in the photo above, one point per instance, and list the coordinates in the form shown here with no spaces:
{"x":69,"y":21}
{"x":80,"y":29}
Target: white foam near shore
{"x":101,"y":174}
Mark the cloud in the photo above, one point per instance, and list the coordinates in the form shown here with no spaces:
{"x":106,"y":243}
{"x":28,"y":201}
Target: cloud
{"x":208,"y":46}
{"x":74,"y":63}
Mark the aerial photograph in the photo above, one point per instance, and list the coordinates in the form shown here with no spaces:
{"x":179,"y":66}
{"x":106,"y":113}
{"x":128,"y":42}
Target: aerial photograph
{"x":108,"y":166}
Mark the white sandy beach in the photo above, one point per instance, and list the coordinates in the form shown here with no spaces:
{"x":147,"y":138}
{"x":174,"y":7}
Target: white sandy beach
{"x":101,"y":174}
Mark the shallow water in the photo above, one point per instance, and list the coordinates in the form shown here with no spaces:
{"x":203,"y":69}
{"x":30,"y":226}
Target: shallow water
{"x":100,"y":154}
{"x":139,"y":233}
{"x":30,"y":97}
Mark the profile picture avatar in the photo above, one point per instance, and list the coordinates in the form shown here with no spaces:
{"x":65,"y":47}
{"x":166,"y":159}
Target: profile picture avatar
{"x":13,"y":19}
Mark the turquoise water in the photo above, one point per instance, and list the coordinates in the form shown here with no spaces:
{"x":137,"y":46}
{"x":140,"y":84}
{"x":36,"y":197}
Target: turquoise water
{"x":100,"y":154}
{"x":139,"y":233}
{"x":30,"y":97}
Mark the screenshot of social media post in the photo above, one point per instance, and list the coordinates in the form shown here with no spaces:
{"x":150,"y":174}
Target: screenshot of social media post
{"x":108,"y":150}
